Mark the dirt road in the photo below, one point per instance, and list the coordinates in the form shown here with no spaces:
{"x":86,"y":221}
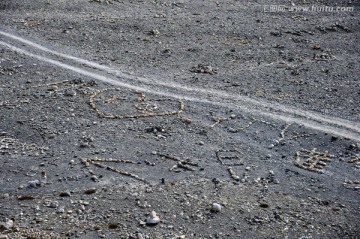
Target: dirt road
{"x":113,"y":109}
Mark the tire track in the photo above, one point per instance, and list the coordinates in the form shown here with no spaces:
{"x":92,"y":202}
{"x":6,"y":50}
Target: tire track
{"x":333,"y":125}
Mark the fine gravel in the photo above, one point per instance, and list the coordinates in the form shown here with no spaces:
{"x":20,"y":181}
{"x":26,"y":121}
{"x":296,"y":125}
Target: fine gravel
{"x":228,"y":119}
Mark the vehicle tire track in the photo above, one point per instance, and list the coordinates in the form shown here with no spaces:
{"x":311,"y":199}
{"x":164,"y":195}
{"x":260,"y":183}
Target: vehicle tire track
{"x":274,"y":110}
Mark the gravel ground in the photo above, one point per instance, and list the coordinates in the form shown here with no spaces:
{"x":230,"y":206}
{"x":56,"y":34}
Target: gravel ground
{"x":226,"y":120}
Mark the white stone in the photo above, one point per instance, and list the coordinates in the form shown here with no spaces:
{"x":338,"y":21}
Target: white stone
{"x":216,"y":207}
{"x":153,"y":219}
{"x":8,"y":225}
{"x":33,"y":183}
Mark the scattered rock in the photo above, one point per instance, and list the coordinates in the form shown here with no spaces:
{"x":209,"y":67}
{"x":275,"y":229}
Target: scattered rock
{"x":90,"y":191}
{"x":85,"y":145}
{"x":201,"y":143}
{"x":112,"y":225}
{"x":94,"y":178}
{"x":8,"y":225}
{"x":61,"y":210}
{"x":43,"y":178}
{"x":140,"y":236}
{"x":316,"y":46}
{"x":6,"y":195}
{"x":153,"y":219}
{"x":70,"y":93}
{"x":233,"y":174}
{"x":216,"y":207}
{"x":53,"y":204}
{"x":34,"y":183}
{"x":97,"y":228}
{"x":82,"y":208}
{"x":25,"y":197}
{"x":154,"y":32}
{"x":206,"y":69}
{"x":154,"y":129}
{"x":65,"y":194}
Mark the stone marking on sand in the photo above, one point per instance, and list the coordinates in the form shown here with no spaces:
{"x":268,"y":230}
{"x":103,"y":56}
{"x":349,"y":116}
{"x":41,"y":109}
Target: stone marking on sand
{"x":229,"y":157}
{"x":185,"y":164}
{"x":144,"y":107}
{"x":9,"y":145}
{"x":99,"y":162}
{"x":312,"y":160}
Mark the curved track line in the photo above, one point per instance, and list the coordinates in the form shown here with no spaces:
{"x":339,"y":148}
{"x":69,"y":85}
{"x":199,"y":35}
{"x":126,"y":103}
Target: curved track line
{"x":308,"y":122}
{"x":221,"y":94}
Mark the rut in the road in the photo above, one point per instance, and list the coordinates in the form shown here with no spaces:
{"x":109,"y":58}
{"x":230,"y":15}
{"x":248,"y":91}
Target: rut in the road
{"x":338,"y":126}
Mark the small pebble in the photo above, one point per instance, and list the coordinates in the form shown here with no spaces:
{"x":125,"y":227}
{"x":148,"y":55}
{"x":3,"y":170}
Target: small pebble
{"x":33,"y":183}
{"x":70,"y":93}
{"x":232,"y":130}
{"x":90,"y":191}
{"x":153,"y":219}
{"x":8,"y":225}
{"x":216,"y":207}
{"x":61,"y":210}
{"x":140,"y":236}
{"x":113,"y":225}
{"x":43,"y":178}
{"x":94,"y":178}
{"x":54,"y":204}
{"x":65,"y":194}
{"x":84,"y":145}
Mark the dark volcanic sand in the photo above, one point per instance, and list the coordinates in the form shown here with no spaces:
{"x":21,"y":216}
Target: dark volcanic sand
{"x":256,"y":111}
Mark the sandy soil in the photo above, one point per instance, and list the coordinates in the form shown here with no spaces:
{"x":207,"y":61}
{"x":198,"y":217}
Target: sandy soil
{"x":110,"y":110}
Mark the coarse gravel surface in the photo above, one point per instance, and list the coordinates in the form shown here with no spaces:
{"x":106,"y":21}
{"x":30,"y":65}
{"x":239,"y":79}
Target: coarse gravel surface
{"x":226,"y":119}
